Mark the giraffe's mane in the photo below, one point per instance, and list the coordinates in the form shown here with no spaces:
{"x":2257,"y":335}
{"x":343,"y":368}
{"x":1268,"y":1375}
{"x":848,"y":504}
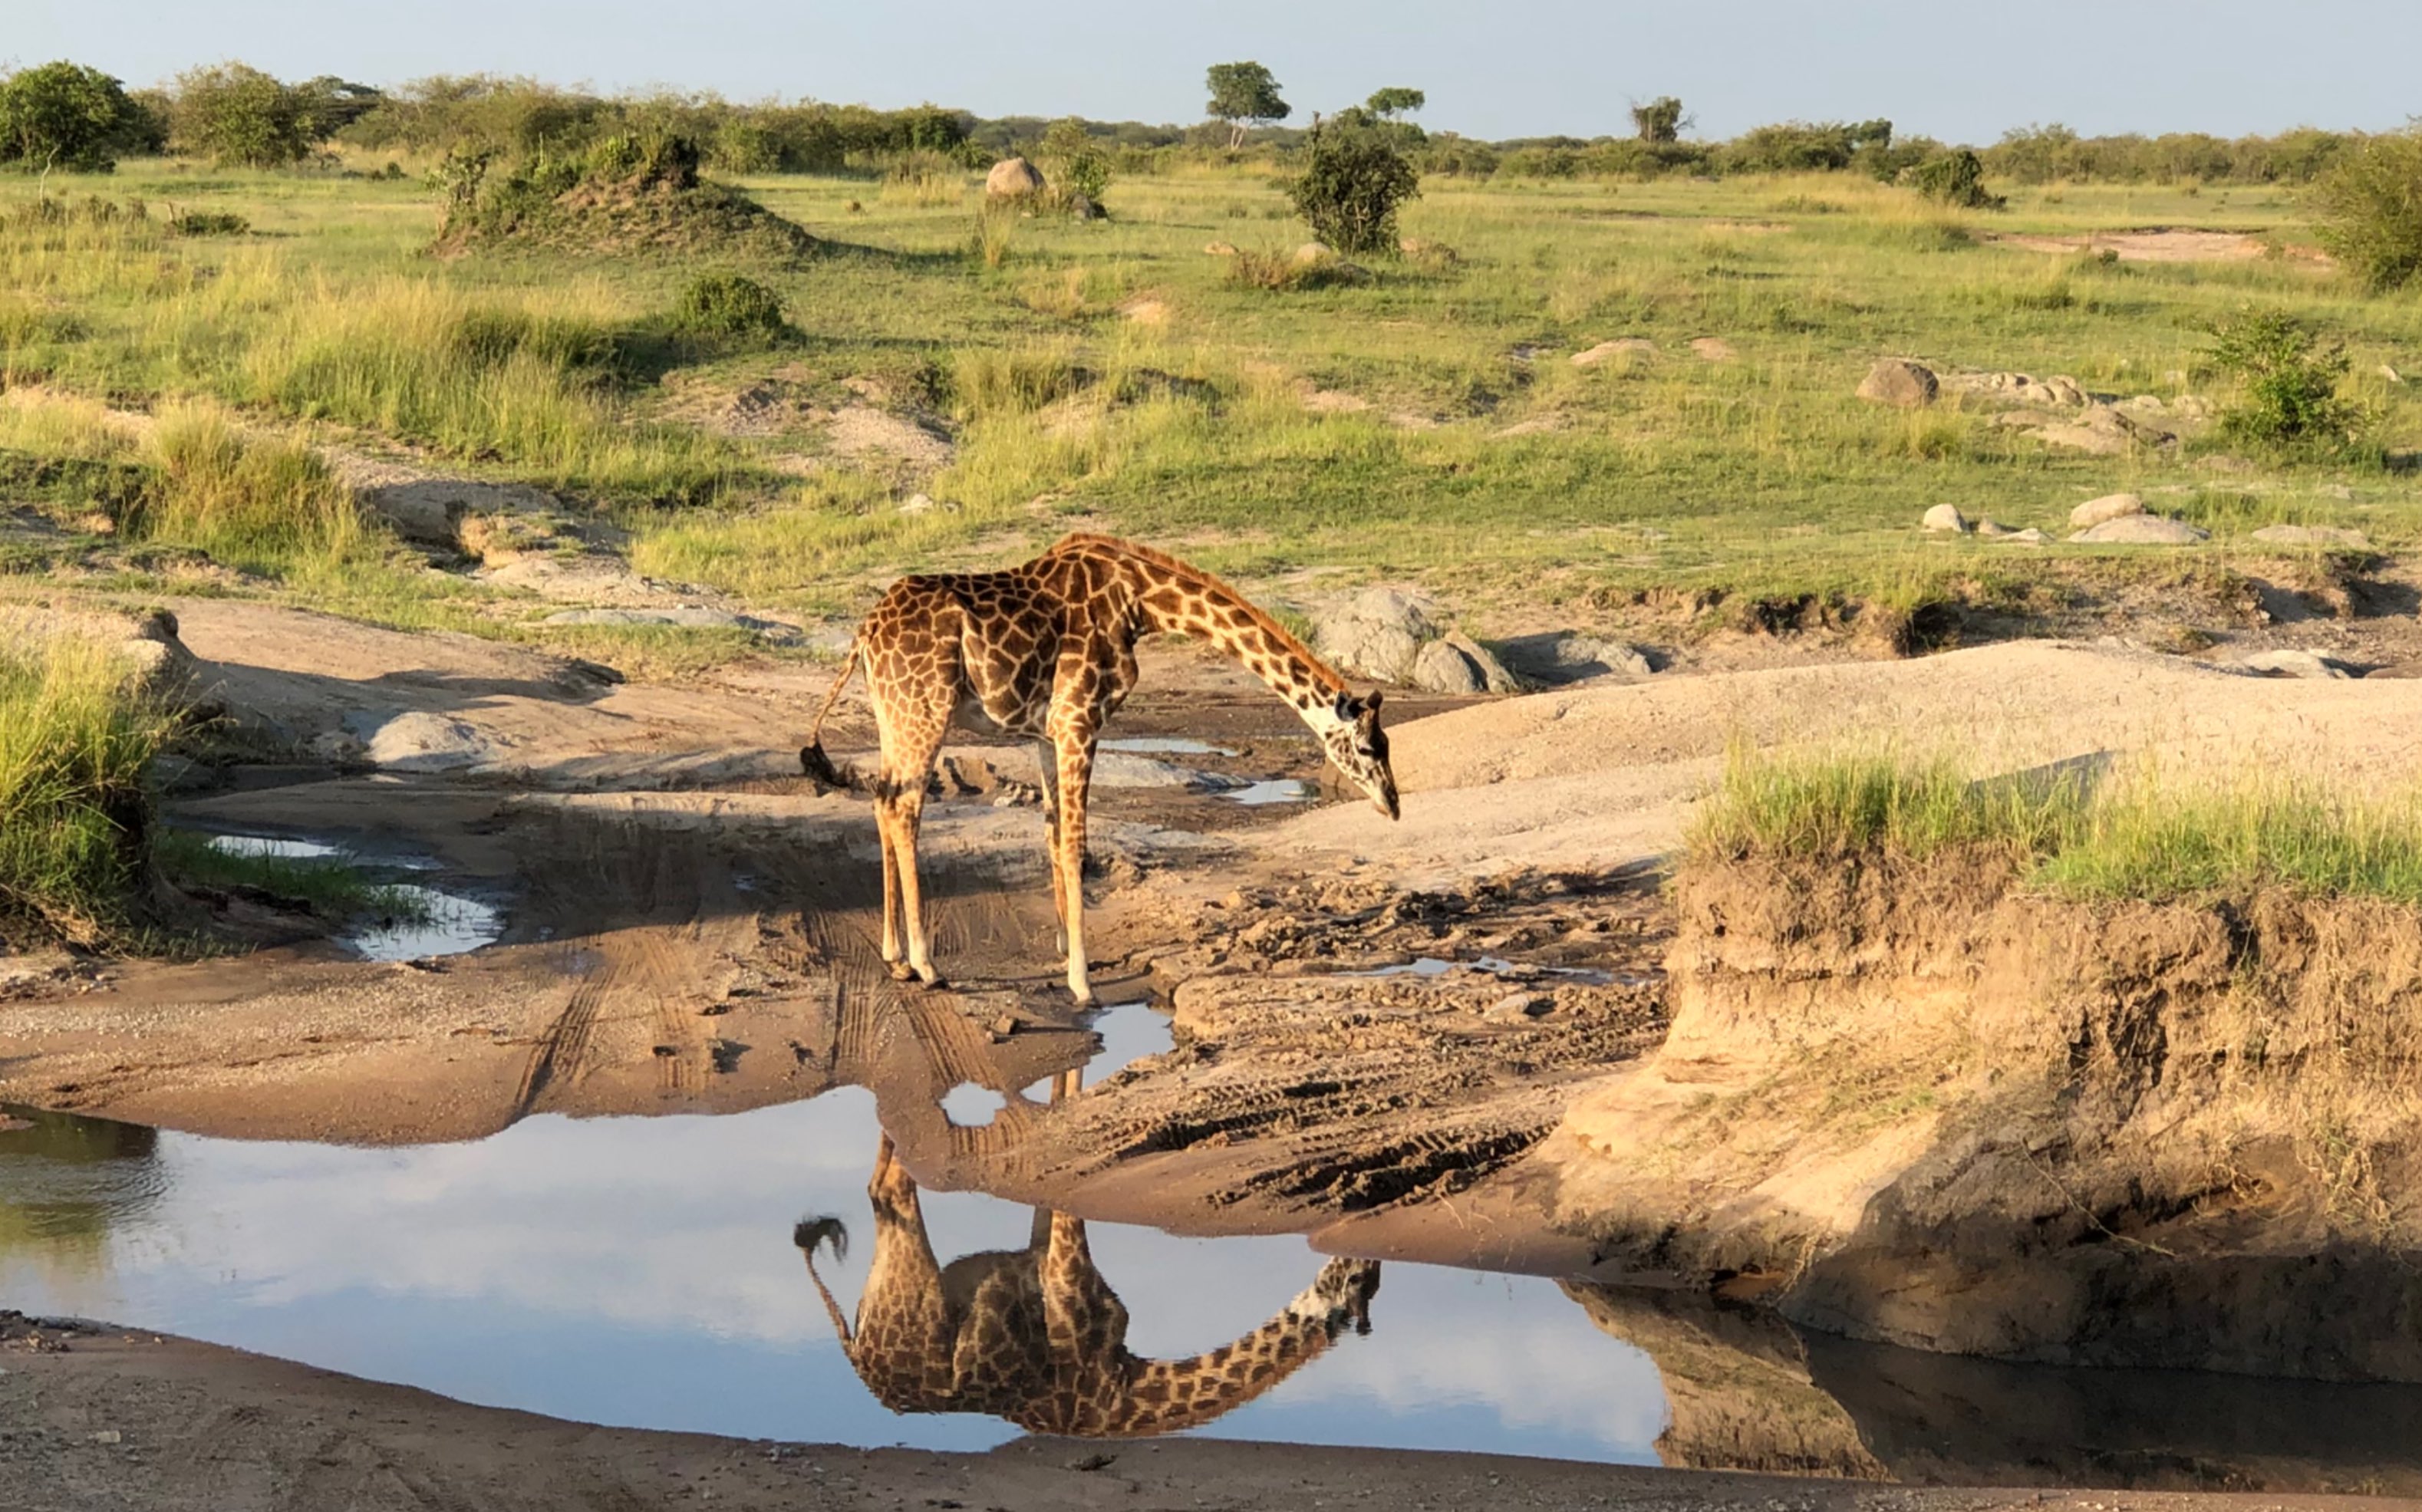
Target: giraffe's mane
{"x":1196,"y":577}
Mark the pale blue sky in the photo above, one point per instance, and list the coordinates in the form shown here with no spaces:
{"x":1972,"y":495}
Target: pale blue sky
{"x":1962,"y":70}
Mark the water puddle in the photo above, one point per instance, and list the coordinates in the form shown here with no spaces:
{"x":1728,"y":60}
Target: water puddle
{"x":1431,"y":966}
{"x":426,"y":921}
{"x":449,"y":924}
{"x":1279,"y":790}
{"x":581,"y":1268}
{"x":1166,"y":746}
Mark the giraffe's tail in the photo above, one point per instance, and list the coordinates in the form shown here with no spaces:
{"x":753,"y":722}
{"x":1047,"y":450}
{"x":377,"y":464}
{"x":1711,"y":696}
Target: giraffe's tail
{"x":812,"y":759}
{"x":809,"y":1235}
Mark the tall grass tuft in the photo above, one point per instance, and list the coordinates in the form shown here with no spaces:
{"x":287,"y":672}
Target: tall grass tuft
{"x":249,"y":501}
{"x":76,"y":731}
{"x":2133,"y":836}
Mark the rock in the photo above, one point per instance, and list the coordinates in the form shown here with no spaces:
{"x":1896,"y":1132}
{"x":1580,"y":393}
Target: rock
{"x":1567,"y":657}
{"x":1012,"y":178}
{"x":1439,"y":667}
{"x":686,"y":616}
{"x":144,"y":641}
{"x":1082,"y":207}
{"x":1987,"y":526}
{"x":2050,"y":393}
{"x":2411,"y":670}
{"x":1379,"y":633}
{"x":2029,"y":536}
{"x":2307,"y":663}
{"x":2140,"y":530}
{"x":916,"y":504}
{"x":1312,"y":254}
{"x":1220,"y":249}
{"x":1899,"y":382}
{"x":1945,"y":517}
{"x":1519,"y":1007}
{"x":1621,"y":347}
{"x":2310,"y":535}
{"x":1126,"y":769}
{"x":421,"y":741}
{"x":1713,"y":349}
{"x":1493,"y":673}
{"x":2109,"y":507}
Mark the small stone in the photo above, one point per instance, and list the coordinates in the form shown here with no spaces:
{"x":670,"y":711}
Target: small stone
{"x":107,"y":1436}
{"x":1900,"y":382}
{"x":2140,"y":530}
{"x":916,"y":504}
{"x":1220,"y":249}
{"x":2109,"y":507}
{"x":2029,"y":537}
{"x":1519,"y":1007}
{"x":1945,"y":517}
{"x":1713,"y":349}
{"x":1987,"y":526}
{"x":1005,"y":1024}
{"x":2310,"y":535}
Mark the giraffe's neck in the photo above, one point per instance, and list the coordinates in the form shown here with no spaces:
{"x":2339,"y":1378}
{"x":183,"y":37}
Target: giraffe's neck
{"x":1180,"y":599}
{"x":1166,"y":1395}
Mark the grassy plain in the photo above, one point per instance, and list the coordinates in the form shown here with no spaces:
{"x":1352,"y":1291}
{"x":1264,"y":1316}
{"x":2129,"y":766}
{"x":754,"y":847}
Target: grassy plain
{"x":1426,"y":424}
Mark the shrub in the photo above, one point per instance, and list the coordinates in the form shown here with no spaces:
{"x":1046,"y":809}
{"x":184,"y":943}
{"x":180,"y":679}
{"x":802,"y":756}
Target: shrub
{"x":1660,"y":121}
{"x":239,"y":116}
{"x":2370,"y":209}
{"x":1074,"y":163}
{"x":2288,"y":395}
{"x":729,"y":305}
{"x":1957,"y":178}
{"x":209,"y":223}
{"x":66,"y":116}
{"x":1354,"y":179}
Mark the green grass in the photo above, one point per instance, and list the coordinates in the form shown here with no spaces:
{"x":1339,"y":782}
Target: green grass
{"x":2130,"y":835}
{"x":331,"y":886}
{"x":1452,"y":443}
{"x":76,"y":735}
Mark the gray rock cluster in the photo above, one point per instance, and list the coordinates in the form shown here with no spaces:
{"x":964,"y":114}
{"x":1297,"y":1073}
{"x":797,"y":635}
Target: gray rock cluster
{"x":1402,"y":637}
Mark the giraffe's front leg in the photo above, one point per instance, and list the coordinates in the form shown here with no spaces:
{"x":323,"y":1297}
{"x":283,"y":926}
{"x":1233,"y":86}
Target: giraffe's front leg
{"x":884,"y":830}
{"x":1076,"y":761}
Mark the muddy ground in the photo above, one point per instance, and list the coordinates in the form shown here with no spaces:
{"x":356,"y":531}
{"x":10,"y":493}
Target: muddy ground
{"x":689,"y":927}
{"x":100,"y":1419}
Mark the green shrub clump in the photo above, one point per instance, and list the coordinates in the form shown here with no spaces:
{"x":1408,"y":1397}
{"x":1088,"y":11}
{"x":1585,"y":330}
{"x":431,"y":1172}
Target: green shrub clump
{"x":2370,"y":206}
{"x":68,"y":118}
{"x":731,"y":304}
{"x":1353,"y":182}
{"x":1075,"y":163}
{"x":209,"y":223}
{"x":2289,"y":384}
{"x":1957,"y":178}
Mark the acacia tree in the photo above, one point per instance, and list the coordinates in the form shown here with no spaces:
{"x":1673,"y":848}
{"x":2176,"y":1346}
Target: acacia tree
{"x":1661,"y":120}
{"x":1395,"y":100}
{"x":239,"y":117}
{"x":1244,"y":95}
{"x":67,"y":116}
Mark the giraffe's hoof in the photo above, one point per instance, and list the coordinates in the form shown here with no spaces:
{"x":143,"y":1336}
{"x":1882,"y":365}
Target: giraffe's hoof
{"x":933,"y":982}
{"x":900,"y":971}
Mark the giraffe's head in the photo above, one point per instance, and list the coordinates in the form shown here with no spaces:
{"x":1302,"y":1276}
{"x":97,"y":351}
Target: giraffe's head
{"x":1359,"y":748}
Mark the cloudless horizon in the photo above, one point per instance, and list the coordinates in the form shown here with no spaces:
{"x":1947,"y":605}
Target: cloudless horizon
{"x":1528,"y":67}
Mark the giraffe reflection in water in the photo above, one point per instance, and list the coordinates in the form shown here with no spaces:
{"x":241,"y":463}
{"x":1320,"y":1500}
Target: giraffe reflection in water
{"x":1036,"y":1335}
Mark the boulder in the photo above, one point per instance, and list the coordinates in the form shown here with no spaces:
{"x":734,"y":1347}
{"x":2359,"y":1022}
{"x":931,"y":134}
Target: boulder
{"x":1379,"y":633}
{"x":2294,"y":664}
{"x":2140,"y":530}
{"x":144,"y":641}
{"x":1900,"y":382}
{"x":1442,"y":667}
{"x":1567,"y":657}
{"x":1012,"y":178}
{"x":1946,"y":517}
{"x":2109,"y":507}
{"x":1627,"y":345}
{"x":419,"y":741}
{"x":2310,"y":535}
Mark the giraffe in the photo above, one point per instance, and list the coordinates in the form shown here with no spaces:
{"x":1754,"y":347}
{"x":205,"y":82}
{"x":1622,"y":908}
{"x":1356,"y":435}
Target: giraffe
{"x":1046,"y":650}
{"x":1037,"y":1336}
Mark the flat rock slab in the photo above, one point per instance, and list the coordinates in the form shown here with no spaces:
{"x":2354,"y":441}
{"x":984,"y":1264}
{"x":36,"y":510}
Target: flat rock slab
{"x":2140,"y":530}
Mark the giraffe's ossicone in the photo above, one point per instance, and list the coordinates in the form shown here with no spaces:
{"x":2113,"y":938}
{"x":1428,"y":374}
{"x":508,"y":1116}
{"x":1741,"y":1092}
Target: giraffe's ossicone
{"x":1037,"y":1336}
{"x":1046,"y":650}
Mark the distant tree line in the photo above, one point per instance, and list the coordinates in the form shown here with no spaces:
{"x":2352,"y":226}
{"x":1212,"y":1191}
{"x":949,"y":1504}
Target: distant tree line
{"x":68,"y":118}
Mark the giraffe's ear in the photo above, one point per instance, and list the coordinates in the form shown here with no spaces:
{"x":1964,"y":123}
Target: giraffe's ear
{"x":1371,"y":700}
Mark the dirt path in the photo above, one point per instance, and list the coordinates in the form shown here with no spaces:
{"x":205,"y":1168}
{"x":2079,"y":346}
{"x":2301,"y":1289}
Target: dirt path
{"x":96,"y":1419}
